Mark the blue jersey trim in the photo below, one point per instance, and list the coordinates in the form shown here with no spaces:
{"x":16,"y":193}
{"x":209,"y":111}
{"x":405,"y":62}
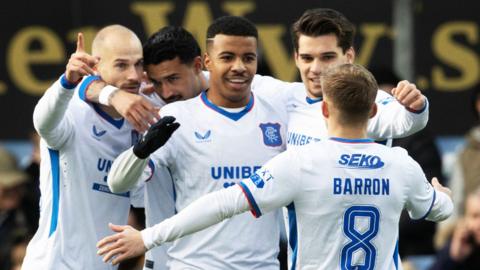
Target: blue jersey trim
{"x":313,"y":100}
{"x":253,"y":204}
{"x":395,"y":256}
{"x":151,"y":165}
{"x":384,"y":142}
{"x":431,"y":206}
{"x":82,"y":90}
{"x":55,"y":167}
{"x":174,"y":191}
{"x":116,"y":123}
{"x":66,"y":84}
{"x":234,"y":116}
{"x":343,"y":140}
{"x":425,"y":106}
{"x":292,"y":235}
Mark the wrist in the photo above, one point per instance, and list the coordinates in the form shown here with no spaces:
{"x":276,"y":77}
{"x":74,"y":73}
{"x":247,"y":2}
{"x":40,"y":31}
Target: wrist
{"x":67,"y":84}
{"x":106,"y":94}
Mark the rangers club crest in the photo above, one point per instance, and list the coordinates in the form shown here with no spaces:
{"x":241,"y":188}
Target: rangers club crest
{"x":271,"y":134}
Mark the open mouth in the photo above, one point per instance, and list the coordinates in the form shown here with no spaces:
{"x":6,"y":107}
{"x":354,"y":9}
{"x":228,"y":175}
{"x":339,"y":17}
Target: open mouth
{"x":238,"y":82}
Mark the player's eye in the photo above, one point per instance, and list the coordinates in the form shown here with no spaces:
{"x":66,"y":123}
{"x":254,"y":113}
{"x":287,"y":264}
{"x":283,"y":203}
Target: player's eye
{"x":226,"y":58}
{"x":139,"y":63}
{"x":328,"y":57}
{"x":121,"y":66}
{"x":155,"y":83}
{"x":172,"y":79}
{"x":249,"y":59}
{"x":306,"y":58}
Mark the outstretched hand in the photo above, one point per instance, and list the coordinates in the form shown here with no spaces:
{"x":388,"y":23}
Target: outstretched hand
{"x":437,"y":186}
{"x":156,"y":136}
{"x":126,"y":243}
{"x":80,"y":63}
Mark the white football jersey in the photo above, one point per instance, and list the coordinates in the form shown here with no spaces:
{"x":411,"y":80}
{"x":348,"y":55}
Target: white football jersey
{"x":214,"y":149}
{"x":306,"y":123}
{"x":347,"y":196}
{"x":78,"y":146}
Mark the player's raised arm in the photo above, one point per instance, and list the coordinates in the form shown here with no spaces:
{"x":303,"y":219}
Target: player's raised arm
{"x":128,"y":167}
{"x":49,"y":114}
{"x":401,"y":115}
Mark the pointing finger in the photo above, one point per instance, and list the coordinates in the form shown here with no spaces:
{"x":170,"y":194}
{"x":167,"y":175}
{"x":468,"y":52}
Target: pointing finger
{"x":80,"y":43}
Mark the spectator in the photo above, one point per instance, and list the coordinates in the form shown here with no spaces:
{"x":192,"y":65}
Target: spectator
{"x":463,"y":250}
{"x":466,"y":171}
{"x":13,"y":220}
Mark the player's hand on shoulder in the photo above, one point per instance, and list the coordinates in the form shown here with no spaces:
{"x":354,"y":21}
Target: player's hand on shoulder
{"x":156,"y":136}
{"x":409,"y":96}
{"x":136,"y":109}
{"x":438,"y":187}
{"x":126,"y":243}
{"x":80,"y":63}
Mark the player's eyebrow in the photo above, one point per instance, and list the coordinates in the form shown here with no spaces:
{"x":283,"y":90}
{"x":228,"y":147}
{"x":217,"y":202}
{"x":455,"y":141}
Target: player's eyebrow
{"x":121,"y":60}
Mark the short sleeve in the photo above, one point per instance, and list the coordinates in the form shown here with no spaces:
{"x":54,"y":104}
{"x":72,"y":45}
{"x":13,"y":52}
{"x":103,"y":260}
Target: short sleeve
{"x":421,"y":195}
{"x":273,"y":185}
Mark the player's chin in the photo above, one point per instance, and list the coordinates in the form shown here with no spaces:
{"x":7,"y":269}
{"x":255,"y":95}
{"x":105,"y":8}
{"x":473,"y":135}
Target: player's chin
{"x":315,"y":90}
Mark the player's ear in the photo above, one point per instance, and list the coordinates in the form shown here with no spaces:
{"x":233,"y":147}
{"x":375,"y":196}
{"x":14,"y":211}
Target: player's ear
{"x":373,"y":110}
{"x":325,"y":111}
{"x":197,"y":64}
{"x":350,"y":53}
{"x":207,"y":61}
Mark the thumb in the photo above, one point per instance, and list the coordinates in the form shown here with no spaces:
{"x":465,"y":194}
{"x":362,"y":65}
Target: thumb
{"x":435,"y":182}
{"x":393,"y":91}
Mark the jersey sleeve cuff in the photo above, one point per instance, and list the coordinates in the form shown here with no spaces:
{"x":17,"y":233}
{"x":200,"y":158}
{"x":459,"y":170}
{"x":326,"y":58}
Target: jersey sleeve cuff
{"x":251,"y":201}
{"x":430,"y":208}
{"x":147,"y":238}
{"x":82,"y":91}
{"x":67,"y":84}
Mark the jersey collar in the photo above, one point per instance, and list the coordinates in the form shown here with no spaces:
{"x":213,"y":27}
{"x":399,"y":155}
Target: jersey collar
{"x":118,"y":123}
{"x":234,"y":116}
{"x":344,"y":140}
{"x":313,"y":100}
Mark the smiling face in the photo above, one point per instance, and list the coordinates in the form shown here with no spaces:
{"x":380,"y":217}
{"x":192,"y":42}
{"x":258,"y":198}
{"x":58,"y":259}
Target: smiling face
{"x":232,"y":62}
{"x":317,"y":54}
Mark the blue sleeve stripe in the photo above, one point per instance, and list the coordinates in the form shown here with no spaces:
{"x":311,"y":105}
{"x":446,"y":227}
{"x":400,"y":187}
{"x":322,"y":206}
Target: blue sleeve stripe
{"x":421,"y":110}
{"x":253,"y":204}
{"x":82,"y":91}
{"x":55,"y":166}
{"x":395,"y":256}
{"x":431,"y":206}
{"x":66,"y":84}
